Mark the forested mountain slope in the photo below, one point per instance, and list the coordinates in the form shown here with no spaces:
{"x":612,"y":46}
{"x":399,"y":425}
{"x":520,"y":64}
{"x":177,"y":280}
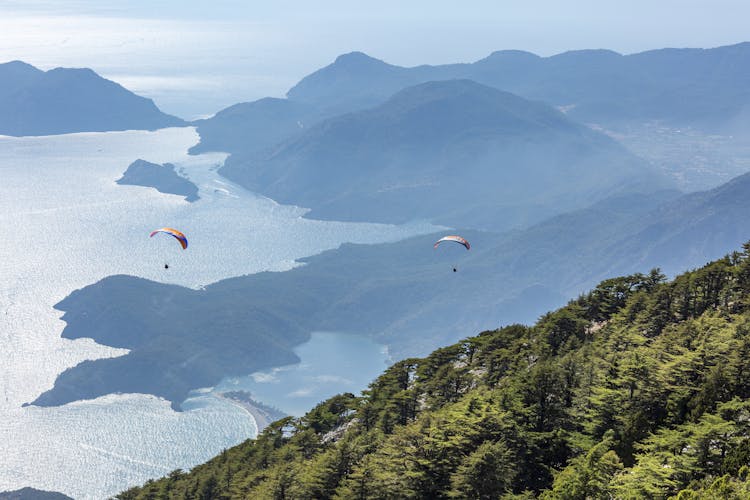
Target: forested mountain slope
{"x":635,"y":390}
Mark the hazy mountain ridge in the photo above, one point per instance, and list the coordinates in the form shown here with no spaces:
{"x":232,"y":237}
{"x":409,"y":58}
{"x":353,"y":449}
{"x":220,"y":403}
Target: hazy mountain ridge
{"x":65,"y":100}
{"x":633,"y":390}
{"x":702,"y":87}
{"x":455,"y":152}
{"x":504,"y":278}
{"x":706,"y":223}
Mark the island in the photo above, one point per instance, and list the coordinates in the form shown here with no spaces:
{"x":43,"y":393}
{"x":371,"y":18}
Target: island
{"x":164,"y":178}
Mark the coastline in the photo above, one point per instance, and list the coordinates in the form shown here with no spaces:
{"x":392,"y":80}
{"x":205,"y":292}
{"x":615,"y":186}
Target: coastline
{"x":263,"y":417}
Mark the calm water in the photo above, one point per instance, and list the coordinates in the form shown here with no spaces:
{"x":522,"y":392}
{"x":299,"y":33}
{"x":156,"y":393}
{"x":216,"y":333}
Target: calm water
{"x":332,"y":363}
{"x":64,"y":224}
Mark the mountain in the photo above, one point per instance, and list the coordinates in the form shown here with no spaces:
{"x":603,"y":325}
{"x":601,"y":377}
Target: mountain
{"x":685,"y":110}
{"x":455,"y":152}
{"x":699,"y":87}
{"x":65,"y":100}
{"x":628,"y":234}
{"x":253,"y":126}
{"x":357,"y":81}
{"x":163,"y":178}
{"x":250,"y":127}
{"x":637,"y":389}
{"x":15,"y":76}
{"x":696,"y":226}
{"x":384,"y":291}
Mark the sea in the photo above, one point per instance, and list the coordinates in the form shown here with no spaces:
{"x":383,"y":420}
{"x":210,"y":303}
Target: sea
{"x":65,"y":224}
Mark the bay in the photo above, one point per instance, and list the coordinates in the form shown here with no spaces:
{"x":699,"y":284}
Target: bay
{"x":64,"y":224}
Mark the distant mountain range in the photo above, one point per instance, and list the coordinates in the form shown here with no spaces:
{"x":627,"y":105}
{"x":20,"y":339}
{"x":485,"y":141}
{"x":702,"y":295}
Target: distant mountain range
{"x":403,"y":294}
{"x":705,"y":88}
{"x":455,"y":152}
{"x":65,"y":100}
{"x":701,"y":87}
{"x":354,"y":126}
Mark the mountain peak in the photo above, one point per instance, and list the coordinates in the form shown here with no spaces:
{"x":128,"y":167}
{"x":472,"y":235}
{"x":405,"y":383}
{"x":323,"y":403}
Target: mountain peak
{"x":17,"y":71}
{"x":81,"y":74}
{"x":511,"y":55}
{"x":474,"y":99}
{"x":444,"y":89}
{"x":352,"y":70}
{"x":16,"y":64}
{"x":356,"y":58}
{"x":449,"y":86}
{"x":80,"y":71}
{"x":588,"y":55}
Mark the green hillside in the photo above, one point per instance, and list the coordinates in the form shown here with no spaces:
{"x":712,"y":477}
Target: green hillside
{"x":636,"y":390}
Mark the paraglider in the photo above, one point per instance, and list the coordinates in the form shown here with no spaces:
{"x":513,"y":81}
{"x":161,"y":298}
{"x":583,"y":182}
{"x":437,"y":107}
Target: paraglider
{"x":181,"y":238}
{"x":174,"y":232}
{"x":455,"y":239}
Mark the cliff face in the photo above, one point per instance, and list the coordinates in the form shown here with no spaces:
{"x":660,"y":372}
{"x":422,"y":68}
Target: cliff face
{"x":636,"y":389}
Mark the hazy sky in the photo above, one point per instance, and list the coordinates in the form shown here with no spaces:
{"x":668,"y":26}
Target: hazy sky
{"x":194,"y":58}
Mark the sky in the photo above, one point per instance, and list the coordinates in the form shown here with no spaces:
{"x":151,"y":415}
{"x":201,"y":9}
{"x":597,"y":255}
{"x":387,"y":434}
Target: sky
{"x":195,"y":58}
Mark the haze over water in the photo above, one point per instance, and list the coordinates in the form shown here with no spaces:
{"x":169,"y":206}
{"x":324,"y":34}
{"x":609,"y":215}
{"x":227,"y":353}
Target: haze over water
{"x":65,"y":224}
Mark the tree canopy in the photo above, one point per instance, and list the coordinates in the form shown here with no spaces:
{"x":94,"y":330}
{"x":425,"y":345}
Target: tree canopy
{"x":636,"y":389}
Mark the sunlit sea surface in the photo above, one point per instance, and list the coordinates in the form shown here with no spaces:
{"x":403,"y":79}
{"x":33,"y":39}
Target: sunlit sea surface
{"x":64,"y":224}
{"x":332,"y":363}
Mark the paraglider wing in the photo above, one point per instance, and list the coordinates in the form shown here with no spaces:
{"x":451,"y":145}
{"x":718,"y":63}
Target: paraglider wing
{"x":173,"y":232}
{"x":456,"y":239}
